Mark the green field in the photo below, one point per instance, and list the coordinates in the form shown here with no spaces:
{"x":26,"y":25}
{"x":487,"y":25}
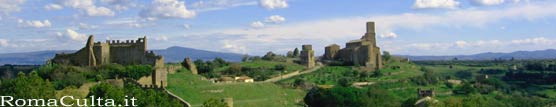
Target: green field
{"x":271,"y":64}
{"x":195,"y":90}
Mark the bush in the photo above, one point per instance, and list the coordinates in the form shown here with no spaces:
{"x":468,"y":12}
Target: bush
{"x":280,"y":67}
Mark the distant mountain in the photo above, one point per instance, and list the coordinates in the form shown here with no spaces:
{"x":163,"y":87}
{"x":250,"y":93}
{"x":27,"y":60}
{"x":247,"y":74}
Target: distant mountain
{"x":171,"y":54}
{"x":177,"y":54}
{"x":539,"y":54}
{"x":29,"y":58}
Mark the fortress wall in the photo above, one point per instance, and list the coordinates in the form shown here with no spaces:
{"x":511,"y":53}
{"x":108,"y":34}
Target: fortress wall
{"x":102,"y":53}
{"x":127,"y":54}
{"x":79,"y":58}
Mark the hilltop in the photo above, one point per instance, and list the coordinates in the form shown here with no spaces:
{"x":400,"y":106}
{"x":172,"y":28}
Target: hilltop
{"x":171,"y":54}
{"x":538,"y":54}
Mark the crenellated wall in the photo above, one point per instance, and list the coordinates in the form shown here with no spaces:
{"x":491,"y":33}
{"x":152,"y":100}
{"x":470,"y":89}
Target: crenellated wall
{"x":125,"y":52}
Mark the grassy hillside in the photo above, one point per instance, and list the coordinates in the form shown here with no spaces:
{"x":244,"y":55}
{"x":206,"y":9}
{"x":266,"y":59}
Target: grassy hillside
{"x":196,"y":90}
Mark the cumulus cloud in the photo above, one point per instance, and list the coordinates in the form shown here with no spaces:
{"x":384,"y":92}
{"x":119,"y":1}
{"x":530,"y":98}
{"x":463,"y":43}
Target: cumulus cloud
{"x":212,"y":5}
{"x":129,"y":22}
{"x":478,"y":46}
{"x":339,"y":30}
{"x":537,"y":40}
{"x":71,"y":35}
{"x":119,"y":5}
{"x":161,"y":38}
{"x":34,"y":23}
{"x":8,"y":6}
{"x":4,"y":43}
{"x":422,"y":4}
{"x":53,"y":7}
{"x":487,"y":2}
{"x":233,"y":47}
{"x":273,"y":4}
{"x":275,"y":19}
{"x":87,"y":26}
{"x":389,"y":35}
{"x":88,"y":7}
{"x":167,"y":9}
{"x":257,"y":24}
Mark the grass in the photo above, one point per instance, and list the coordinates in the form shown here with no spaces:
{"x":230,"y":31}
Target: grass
{"x":195,"y":90}
{"x":327,"y":75}
{"x":271,"y":64}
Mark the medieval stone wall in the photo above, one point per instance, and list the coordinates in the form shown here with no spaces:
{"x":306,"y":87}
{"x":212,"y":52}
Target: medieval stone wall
{"x":128,"y":52}
{"x":307,"y":56}
{"x":362,"y":52}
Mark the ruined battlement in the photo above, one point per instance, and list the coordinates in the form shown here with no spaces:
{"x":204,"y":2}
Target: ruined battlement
{"x":362,"y":52}
{"x":124,"y":52}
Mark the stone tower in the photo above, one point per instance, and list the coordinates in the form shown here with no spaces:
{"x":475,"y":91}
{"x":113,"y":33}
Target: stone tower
{"x":307,"y":56}
{"x":361,"y":52}
{"x":330,"y":51}
{"x":187,"y":63}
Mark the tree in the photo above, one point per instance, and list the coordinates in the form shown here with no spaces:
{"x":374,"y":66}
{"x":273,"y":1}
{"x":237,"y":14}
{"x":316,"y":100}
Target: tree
{"x":344,"y":82}
{"x":269,"y":56}
{"x":214,"y":103}
{"x":296,"y":52}
{"x":138,"y":71}
{"x":105,"y":90}
{"x":289,"y":54}
{"x":234,"y":69}
{"x":280,"y":67}
{"x":386,"y":56}
{"x":27,"y":87}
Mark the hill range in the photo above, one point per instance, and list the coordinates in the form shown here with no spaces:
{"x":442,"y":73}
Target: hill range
{"x":177,"y":53}
{"x":538,"y":54}
{"x":171,"y":54}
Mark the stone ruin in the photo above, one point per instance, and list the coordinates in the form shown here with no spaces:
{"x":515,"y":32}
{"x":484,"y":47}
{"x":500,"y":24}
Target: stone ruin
{"x":362,"y":52}
{"x":187,"y":63}
{"x":307,"y":56}
{"x":128,"y":52}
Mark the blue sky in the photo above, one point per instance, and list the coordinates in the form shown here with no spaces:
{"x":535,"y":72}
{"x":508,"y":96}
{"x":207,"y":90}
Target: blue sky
{"x":408,"y":27}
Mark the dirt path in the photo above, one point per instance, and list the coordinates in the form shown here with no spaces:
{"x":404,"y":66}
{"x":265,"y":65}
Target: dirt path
{"x":293,"y":74}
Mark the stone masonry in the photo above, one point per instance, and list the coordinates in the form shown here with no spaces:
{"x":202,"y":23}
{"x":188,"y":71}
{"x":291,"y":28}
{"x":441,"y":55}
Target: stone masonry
{"x":307,"y":56}
{"x":128,"y":52}
{"x":187,"y":63}
{"x":362,"y":52}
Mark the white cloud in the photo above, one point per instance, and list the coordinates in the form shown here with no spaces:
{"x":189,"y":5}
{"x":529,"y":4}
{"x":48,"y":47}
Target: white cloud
{"x":8,"y":6}
{"x":212,"y":5}
{"x":34,"y":23}
{"x":99,"y":11}
{"x":167,"y":9}
{"x":87,"y":26}
{"x":273,"y":4}
{"x":537,"y":40}
{"x":275,"y":19}
{"x":389,"y":35}
{"x":4,"y":43}
{"x":233,"y":47}
{"x":71,"y":35}
{"x":487,"y":2}
{"x":257,"y":24}
{"x":161,"y":38}
{"x":88,"y":7}
{"x":421,"y":4}
{"x":340,"y":30}
{"x":53,"y":7}
{"x":130,"y":22}
{"x":119,"y":5}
